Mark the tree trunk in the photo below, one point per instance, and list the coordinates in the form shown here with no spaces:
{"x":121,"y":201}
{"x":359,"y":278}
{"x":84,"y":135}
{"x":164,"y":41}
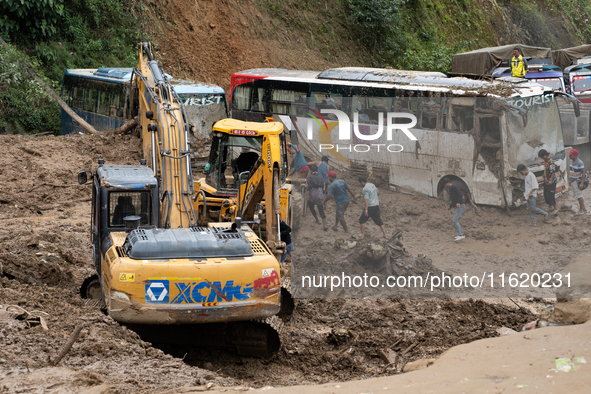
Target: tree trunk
{"x":124,"y":128}
{"x":57,"y":98}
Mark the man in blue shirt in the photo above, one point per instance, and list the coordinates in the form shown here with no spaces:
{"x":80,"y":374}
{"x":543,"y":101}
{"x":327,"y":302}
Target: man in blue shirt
{"x":338,"y":190}
{"x":322,"y":168}
{"x":372,"y":206}
{"x":298,"y":164}
{"x":577,"y":179}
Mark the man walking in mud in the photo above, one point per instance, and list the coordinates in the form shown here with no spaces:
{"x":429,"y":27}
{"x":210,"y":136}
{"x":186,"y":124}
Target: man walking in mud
{"x":338,"y":190}
{"x":531,"y":193}
{"x":316,"y":188}
{"x":577,"y":179}
{"x":457,"y":203}
{"x":323,"y":168}
{"x":372,"y":206}
{"x":550,"y":180}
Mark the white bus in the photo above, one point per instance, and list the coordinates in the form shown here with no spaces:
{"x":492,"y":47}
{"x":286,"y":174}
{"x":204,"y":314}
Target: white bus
{"x":474,"y":132}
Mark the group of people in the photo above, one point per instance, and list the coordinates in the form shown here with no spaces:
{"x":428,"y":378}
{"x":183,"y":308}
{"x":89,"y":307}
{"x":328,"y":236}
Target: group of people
{"x":323,"y":186}
{"x":578,"y":181}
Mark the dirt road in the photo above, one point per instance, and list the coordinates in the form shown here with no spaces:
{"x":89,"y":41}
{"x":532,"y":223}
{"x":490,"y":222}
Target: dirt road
{"x":45,"y":255}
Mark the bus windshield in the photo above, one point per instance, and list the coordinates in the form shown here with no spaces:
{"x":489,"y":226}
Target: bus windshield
{"x":553,"y":83}
{"x":542,"y":129}
{"x":582,"y":83}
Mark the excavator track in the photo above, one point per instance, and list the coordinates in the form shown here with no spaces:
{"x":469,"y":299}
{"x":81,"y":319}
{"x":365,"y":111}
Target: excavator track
{"x":254,"y":338}
{"x":92,"y":293}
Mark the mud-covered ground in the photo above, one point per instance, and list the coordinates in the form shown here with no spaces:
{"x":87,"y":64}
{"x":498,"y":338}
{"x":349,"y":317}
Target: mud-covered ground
{"x":45,"y":255}
{"x":496,"y":242}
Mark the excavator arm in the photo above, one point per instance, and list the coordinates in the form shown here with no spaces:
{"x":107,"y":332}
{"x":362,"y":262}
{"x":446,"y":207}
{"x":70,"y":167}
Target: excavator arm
{"x":165,"y":142}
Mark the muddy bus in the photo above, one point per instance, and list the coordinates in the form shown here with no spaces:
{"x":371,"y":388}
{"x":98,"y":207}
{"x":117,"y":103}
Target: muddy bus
{"x":416,"y":127}
{"x":103,"y":97}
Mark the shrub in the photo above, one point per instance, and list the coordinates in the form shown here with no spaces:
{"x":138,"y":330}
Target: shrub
{"x":24,"y":104}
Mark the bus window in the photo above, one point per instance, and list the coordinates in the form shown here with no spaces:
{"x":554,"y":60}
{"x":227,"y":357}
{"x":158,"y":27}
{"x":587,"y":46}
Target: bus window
{"x":461,"y":115}
{"x":490,"y":129}
{"x":360,"y":105}
{"x":90,"y":104}
{"x":380,"y":103}
{"x":369,"y":108}
{"x":104,"y":103}
{"x":258,"y":103}
{"x":116,"y":109}
{"x":406,"y":104}
{"x":77,"y":98}
{"x":281,"y":100}
{"x":241,"y":97}
{"x":430,"y":109}
{"x":327,"y":100}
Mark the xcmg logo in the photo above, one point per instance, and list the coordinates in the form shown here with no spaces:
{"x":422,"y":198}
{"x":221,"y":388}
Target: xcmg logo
{"x":349,"y":130}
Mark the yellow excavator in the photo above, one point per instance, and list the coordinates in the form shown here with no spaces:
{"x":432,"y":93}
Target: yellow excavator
{"x":162,"y":253}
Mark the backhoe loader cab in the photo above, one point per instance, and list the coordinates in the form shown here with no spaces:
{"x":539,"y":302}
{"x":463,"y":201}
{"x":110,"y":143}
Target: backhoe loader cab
{"x":237,"y":147}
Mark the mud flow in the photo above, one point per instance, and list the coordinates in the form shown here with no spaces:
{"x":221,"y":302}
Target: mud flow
{"x":45,"y":256}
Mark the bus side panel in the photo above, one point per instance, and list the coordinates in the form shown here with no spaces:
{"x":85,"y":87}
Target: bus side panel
{"x":485,"y":186}
{"x":99,"y":122}
{"x":415,"y":166}
{"x":455,"y":156}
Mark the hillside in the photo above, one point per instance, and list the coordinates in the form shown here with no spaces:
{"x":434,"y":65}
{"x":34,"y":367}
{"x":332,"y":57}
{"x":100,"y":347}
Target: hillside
{"x":209,"y":40}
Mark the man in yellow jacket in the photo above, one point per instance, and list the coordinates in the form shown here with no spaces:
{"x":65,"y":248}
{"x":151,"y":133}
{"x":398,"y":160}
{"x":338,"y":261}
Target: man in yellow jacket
{"x":518,"y":64}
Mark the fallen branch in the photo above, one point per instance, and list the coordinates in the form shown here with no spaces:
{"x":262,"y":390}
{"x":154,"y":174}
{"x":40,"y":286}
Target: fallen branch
{"x":397,"y":342}
{"x":408,"y":349}
{"x":68,"y":345}
{"x":55,"y":97}
{"x":519,"y":306}
{"x":124,"y":128}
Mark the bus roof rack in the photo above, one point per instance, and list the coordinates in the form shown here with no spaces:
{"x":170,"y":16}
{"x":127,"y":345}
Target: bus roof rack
{"x":376,"y":74}
{"x":392,"y":76}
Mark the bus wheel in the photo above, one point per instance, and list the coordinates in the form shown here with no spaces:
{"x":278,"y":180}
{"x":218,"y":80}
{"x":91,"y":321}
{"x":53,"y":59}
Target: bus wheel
{"x":443,"y":193}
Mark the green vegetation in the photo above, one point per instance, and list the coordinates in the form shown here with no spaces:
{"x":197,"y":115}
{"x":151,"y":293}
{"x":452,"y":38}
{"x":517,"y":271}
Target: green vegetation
{"x":57,"y":35}
{"x":54,"y":35}
{"x":414,"y":34}
{"x":423,"y":34}
{"x":24,"y":104}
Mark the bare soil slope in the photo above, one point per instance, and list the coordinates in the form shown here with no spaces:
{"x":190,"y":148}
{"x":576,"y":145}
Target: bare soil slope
{"x":208,"y":41}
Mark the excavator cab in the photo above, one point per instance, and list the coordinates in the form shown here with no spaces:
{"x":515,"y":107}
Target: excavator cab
{"x":124,"y":197}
